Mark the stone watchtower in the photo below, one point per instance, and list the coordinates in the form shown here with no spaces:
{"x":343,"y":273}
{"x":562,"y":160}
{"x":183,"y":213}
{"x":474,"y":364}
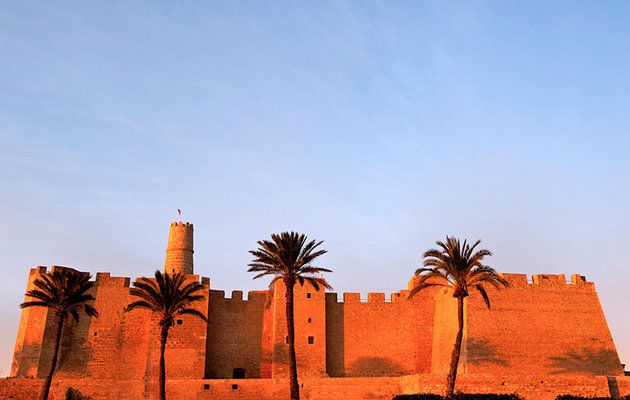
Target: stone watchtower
{"x":179,"y":250}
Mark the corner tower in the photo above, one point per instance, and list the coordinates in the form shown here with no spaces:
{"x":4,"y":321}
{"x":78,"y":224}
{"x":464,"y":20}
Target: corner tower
{"x":179,"y":250}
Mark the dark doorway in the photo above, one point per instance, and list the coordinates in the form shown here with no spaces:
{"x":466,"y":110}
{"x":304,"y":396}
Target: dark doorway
{"x":238,"y":373}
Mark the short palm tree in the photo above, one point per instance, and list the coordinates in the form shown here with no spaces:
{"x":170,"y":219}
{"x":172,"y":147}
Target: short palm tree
{"x":459,"y":268}
{"x":65,"y":292}
{"x":287,"y":258}
{"x":168,"y":296}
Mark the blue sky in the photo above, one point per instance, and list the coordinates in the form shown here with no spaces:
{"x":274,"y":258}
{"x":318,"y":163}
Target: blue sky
{"x":378,"y":127}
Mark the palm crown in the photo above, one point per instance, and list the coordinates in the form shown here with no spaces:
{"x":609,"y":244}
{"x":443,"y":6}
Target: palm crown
{"x":168,"y":295}
{"x":288,"y":256}
{"x":65,"y":291}
{"x":458,"y":267}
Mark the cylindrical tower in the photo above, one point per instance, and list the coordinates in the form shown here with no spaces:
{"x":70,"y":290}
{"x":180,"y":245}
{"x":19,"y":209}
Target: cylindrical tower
{"x":179,"y":250}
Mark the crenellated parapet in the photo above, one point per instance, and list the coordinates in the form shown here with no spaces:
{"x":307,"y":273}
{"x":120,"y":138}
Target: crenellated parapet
{"x":543,"y":281}
{"x":105,"y":279}
{"x":368,"y":298}
{"x":180,"y":223}
{"x":237,"y":295}
{"x":549,"y":281}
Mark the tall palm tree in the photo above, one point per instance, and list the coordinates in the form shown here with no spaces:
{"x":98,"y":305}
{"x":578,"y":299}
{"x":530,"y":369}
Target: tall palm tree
{"x":287,"y":257}
{"x":65,"y":292}
{"x":459,"y":268}
{"x":168,"y":296}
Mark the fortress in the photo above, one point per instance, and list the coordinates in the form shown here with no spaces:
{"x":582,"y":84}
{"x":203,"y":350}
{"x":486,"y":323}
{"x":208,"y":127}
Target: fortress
{"x":542,"y":337}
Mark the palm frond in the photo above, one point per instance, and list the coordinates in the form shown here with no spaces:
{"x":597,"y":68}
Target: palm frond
{"x":313,"y":270}
{"x":167,"y":295}
{"x":64,"y":290}
{"x":40,"y":295}
{"x":484,"y":294}
{"x":316,"y":282}
{"x":75,"y":314}
{"x":43,"y":286}
{"x":140,"y":304}
{"x":288,"y":256}
{"x":27,"y":304}
{"x":192,"y":311}
{"x":147,"y":286}
{"x":264,"y":274}
{"x":90,"y":311}
{"x":457,"y":265}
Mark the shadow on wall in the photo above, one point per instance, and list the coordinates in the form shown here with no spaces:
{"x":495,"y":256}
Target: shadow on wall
{"x":335,"y":337}
{"x":375,"y":366}
{"x":28,"y":356}
{"x":74,"y":354}
{"x":73,"y":357}
{"x":74,"y":394}
{"x":587,"y":361}
{"x":281,"y":354}
{"x":482,"y":352}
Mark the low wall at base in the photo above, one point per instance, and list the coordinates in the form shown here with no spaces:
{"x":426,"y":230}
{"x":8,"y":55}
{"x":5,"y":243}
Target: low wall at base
{"x":242,"y":389}
{"x":528,"y":387}
{"x":376,"y":388}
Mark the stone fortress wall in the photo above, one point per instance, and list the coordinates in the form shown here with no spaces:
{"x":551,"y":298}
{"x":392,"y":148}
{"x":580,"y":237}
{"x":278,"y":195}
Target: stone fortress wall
{"x":547,"y":328}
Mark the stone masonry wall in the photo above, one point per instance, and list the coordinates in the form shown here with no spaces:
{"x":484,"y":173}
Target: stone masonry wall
{"x":547,"y":327}
{"x":29,"y":350}
{"x":378,"y":337}
{"x":310,"y":331}
{"x":117,"y":344}
{"x":235,"y":331}
{"x":545,"y":334}
{"x":374,"y":388}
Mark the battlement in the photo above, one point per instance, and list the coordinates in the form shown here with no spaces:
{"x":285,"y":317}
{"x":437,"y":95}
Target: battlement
{"x":557,"y":281}
{"x":370,"y":298}
{"x":105,"y":278}
{"x":41,"y":269}
{"x":180,"y":223}
{"x":38,"y":270}
{"x":237,"y":295}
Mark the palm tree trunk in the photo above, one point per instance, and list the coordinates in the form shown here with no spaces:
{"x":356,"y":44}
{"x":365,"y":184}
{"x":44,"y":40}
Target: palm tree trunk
{"x":163,"y":337}
{"x":53,"y":363}
{"x":452,"y":374}
{"x":293,"y":377}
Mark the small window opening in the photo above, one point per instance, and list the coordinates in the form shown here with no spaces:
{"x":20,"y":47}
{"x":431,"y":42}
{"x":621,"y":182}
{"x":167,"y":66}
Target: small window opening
{"x":308,"y":295}
{"x":234,"y":386}
{"x":173,"y":270}
{"x":311,"y":340}
{"x":286,"y":339}
{"x":94,"y":333}
{"x":179,"y":322}
{"x":310,"y":320}
{"x":238,"y":373}
{"x":206,"y":386}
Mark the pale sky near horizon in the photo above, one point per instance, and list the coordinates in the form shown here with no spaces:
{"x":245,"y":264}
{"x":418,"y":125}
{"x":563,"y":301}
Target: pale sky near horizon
{"x":378,"y":127}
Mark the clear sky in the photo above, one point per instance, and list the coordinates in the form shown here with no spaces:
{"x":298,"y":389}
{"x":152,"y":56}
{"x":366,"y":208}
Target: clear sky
{"x":378,"y":127}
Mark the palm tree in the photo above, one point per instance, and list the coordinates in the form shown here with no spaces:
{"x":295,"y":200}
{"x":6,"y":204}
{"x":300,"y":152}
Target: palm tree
{"x":288,"y":257}
{"x":457,"y":268}
{"x":168,"y":296}
{"x":64,"y":292}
